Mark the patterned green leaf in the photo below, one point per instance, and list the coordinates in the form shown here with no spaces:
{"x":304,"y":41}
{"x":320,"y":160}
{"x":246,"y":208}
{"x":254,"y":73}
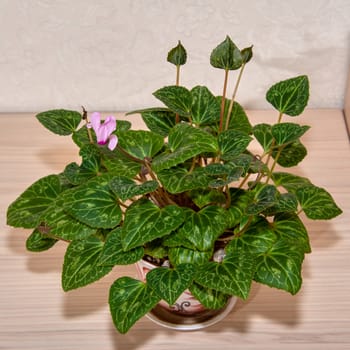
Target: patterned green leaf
{"x":144,"y":222}
{"x":126,"y":188}
{"x":287,"y":132}
{"x":291,"y":155}
{"x":263,"y":134}
{"x":169,"y":283}
{"x":158,"y":120}
{"x":289,"y":181}
{"x":181,"y":255}
{"x":177,"y":55}
{"x":290,"y":96}
{"x":203,"y":197}
{"x":62,"y":225}
{"x":290,"y":227}
{"x":265,"y":196}
{"x":60,"y":121}
{"x":185,"y":142}
{"x":226,"y":56}
{"x":205,"y":107}
{"x":177,"y":180}
{"x":176,"y":98}
{"x":27,"y":209}
{"x":129,"y":300}
{"x":114,"y":254}
{"x":232,"y":143}
{"x":140,"y":143}
{"x":210,"y":298}
{"x":280,"y":267}
{"x":247,"y":54}
{"x":287,"y":202}
{"x":39,"y":242}
{"x":233,"y":276}
{"x":93,"y":203}
{"x":204,"y":227}
{"x":317,"y":203}
{"x":80,"y":266}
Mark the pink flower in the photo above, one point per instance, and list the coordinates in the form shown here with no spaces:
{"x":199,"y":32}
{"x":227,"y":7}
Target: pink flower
{"x":104,"y":130}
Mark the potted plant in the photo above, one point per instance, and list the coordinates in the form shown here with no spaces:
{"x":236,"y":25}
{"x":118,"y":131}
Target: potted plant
{"x":188,"y":196}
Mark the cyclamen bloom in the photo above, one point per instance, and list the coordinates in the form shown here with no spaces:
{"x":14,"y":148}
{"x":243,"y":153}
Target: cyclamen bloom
{"x":104,"y":130}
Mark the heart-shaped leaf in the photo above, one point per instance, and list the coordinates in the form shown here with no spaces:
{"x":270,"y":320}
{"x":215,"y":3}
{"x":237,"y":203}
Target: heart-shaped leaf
{"x":93,"y":203}
{"x":114,"y":254}
{"x":129,"y":300}
{"x":27,"y":209}
{"x":265,"y":196}
{"x":292,"y":154}
{"x":80,"y":266}
{"x":168,"y":283}
{"x":290,"y":96}
{"x":177,"y":55}
{"x":140,"y":143}
{"x":60,"y":121}
{"x":287,"y":132}
{"x":210,"y":298}
{"x":177,"y":179}
{"x":204,"y":227}
{"x":126,"y":188}
{"x":39,"y":242}
{"x":205,"y":107}
{"x":226,"y":56}
{"x":176,"y":98}
{"x":181,"y":255}
{"x":184,"y":142}
{"x":289,"y":181}
{"x":232,"y":143}
{"x":280,"y":266}
{"x":263,"y":134}
{"x":144,"y":222}
{"x":232,"y":276}
{"x":317,"y":203}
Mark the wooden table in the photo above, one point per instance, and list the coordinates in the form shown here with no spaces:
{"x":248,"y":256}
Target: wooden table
{"x":36,"y":314}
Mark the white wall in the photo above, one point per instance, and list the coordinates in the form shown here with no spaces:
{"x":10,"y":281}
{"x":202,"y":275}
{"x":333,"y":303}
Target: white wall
{"x":111,"y":55}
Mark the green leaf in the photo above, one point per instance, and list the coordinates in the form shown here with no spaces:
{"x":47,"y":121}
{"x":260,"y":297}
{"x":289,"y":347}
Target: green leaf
{"x":290,"y":227}
{"x":39,"y":242}
{"x":205,"y":107}
{"x":263,"y":134}
{"x":140,"y":143}
{"x":62,"y":225}
{"x":184,"y":142}
{"x":204,"y":197}
{"x":117,"y":163}
{"x":289,"y":181}
{"x":287,"y":132}
{"x":177,"y":55}
{"x":317,"y":203}
{"x":226,"y":56}
{"x":93,"y":203}
{"x":114,"y":254}
{"x":169,"y":283}
{"x":129,"y":300}
{"x":280,"y":266}
{"x":292,"y":154}
{"x":159,"y":120}
{"x":126,"y":188}
{"x":204,"y":227}
{"x":265,"y":196}
{"x":290,"y":96}
{"x":27,"y":209}
{"x":287,"y":202}
{"x":80,"y":266}
{"x":232,"y":276}
{"x":144,"y":222}
{"x":177,"y":180}
{"x":60,"y":121}
{"x":182,"y":255}
{"x":247,"y":54}
{"x":210,"y":298}
{"x":232,"y":143}
{"x":176,"y":98}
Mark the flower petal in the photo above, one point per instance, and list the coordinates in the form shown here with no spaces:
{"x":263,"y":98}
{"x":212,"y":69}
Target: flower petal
{"x":110,"y":123}
{"x":95,"y":121}
{"x":113,"y":141}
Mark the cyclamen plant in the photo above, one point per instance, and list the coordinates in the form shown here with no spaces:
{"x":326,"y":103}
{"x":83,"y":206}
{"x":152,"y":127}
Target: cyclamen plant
{"x":178,"y":192}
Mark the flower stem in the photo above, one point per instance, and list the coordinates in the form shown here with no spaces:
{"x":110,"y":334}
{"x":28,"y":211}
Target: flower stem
{"x":234,"y":97}
{"x":177,"y":117}
{"x":223,"y":100}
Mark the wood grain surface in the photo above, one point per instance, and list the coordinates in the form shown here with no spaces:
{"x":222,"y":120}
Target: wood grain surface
{"x":36,"y":314}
